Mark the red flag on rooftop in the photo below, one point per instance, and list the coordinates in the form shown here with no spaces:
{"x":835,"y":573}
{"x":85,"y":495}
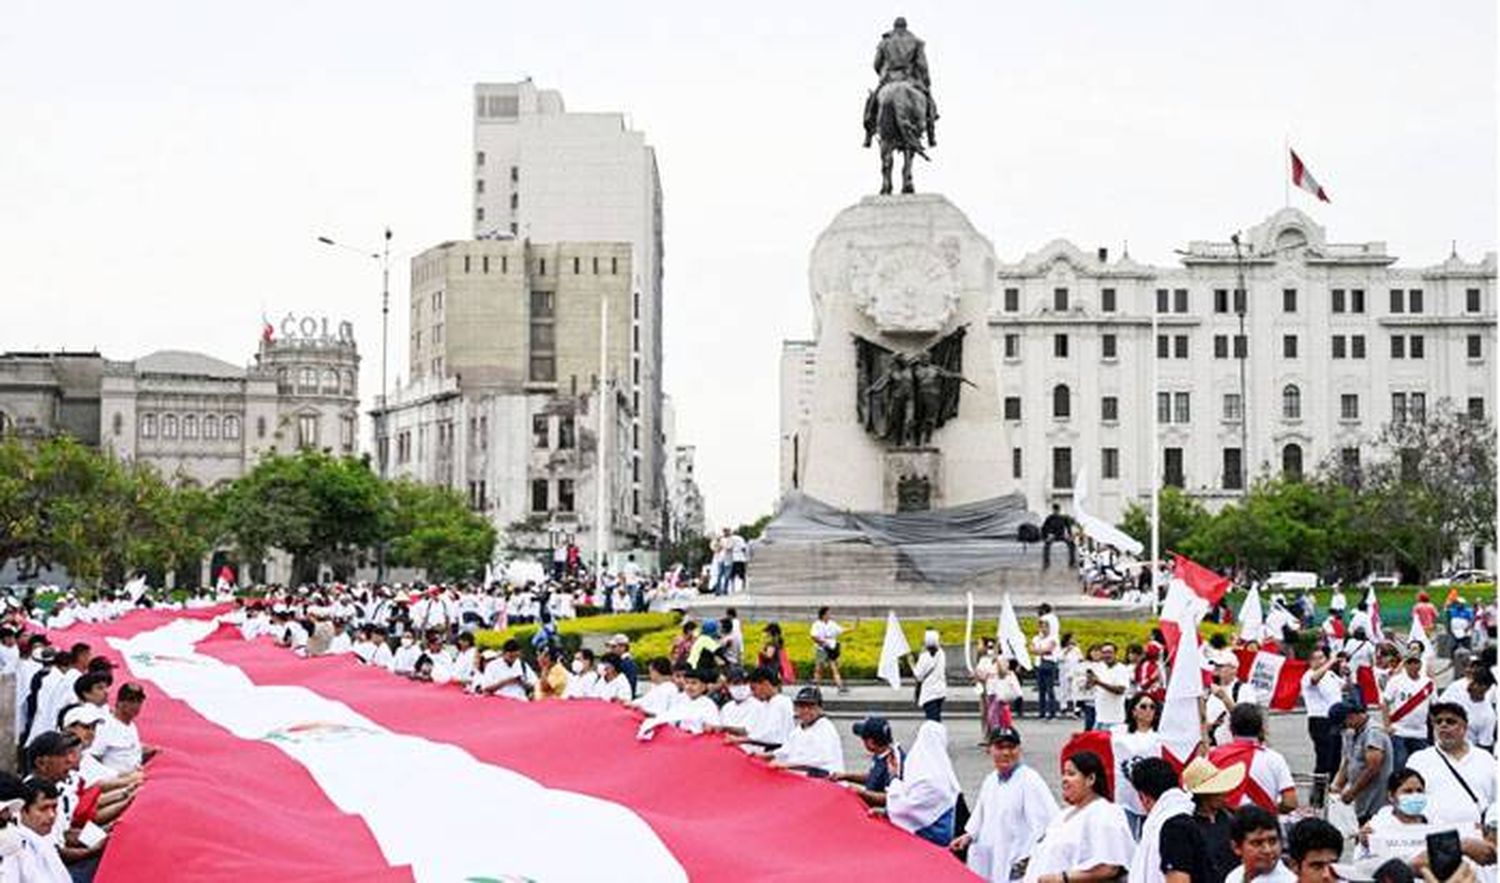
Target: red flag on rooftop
{"x":1304,"y":179}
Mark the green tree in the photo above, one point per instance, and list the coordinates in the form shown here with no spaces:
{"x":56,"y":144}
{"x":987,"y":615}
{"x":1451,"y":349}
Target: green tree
{"x":1181,"y":516}
{"x":432,"y":528}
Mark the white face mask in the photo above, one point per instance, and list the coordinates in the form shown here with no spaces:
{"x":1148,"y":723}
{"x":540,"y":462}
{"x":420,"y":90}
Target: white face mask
{"x":739,"y":692}
{"x":10,"y":840}
{"x":577,"y":666}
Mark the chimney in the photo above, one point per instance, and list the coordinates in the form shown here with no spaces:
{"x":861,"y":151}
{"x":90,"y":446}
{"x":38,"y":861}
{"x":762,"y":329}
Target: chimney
{"x":1103,"y":255}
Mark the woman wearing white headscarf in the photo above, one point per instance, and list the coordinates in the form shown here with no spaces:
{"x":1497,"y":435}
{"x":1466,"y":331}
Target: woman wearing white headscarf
{"x":923,"y":800}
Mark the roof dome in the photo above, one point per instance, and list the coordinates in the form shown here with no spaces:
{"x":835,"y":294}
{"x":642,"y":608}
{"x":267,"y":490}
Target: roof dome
{"x":183,"y":362}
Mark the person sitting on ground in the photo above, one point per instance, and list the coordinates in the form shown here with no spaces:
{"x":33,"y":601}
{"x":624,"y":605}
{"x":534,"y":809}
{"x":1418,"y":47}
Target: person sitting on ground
{"x":1013,"y":809}
{"x":886,"y":761}
{"x":1257,"y":841}
{"x":813,"y":746}
{"x":923,"y":799}
{"x":1171,"y":849}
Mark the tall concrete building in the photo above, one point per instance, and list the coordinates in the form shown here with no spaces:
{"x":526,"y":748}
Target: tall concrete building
{"x":1334,"y":341}
{"x":544,"y":174}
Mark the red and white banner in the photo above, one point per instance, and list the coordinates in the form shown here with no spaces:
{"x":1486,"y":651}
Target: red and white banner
{"x":1304,"y":179}
{"x":1192,"y":592}
{"x":1276,"y":678}
{"x":275,"y":767}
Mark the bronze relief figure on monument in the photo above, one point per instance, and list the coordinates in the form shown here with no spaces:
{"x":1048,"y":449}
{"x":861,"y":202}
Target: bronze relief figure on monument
{"x":902,"y":399}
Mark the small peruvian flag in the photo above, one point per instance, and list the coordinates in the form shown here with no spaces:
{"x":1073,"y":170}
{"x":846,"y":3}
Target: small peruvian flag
{"x":1304,"y":179}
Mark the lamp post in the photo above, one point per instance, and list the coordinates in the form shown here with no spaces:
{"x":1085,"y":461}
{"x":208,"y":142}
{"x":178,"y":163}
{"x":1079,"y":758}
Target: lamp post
{"x":382,"y":443}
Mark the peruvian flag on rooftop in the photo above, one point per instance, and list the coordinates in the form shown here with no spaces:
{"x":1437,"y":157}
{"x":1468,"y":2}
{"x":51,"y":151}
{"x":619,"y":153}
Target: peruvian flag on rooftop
{"x":1304,"y":179}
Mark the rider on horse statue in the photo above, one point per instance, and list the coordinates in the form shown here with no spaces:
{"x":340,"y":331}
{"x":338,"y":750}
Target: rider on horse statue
{"x":901,"y":55}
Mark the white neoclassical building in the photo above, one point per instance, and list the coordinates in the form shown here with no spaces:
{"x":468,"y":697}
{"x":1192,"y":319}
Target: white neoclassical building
{"x":1276,"y":352}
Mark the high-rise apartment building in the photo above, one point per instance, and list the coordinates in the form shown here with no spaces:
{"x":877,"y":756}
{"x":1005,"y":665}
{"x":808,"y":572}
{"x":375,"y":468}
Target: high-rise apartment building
{"x":543,"y":174}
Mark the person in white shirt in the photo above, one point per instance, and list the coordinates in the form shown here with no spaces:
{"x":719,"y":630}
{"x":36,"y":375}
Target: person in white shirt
{"x":1108,"y":680}
{"x":507,"y":674}
{"x":1476,"y":693}
{"x":1014,"y":807}
{"x":1322,"y":686}
{"x":697,"y":713}
{"x":1403,"y":709}
{"x":930,"y":668}
{"x":662,"y":694}
{"x":813,"y":746}
{"x":739,"y":713}
{"x":986,"y":684}
{"x":584,"y":677}
{"x":1460,"y":777}
{"x":117,"y":742}
{"x":774,"y":719}
{"x":404,"y":662}
{"x":612,"y":685}
{"x":825,"y":637}
{"x":1046,"y":646}
{"x":10,"y":654}
{"x":465,"y":659}
{"x":36,"y":860}
{"x":341,"y":643}
{"x":56,"y":690}
{"x":1268,"y":780}
{"x":1255,"y":836}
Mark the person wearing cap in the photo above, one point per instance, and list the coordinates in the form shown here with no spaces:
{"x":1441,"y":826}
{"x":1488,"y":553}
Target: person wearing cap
{"x":1210,"y":787}
{"x":1460,"y":777}
{"x":54,"y":759}
{"x":1170,"y":849}
{"x":115,"y":790}
{"x":619,"y":644}
{"x":813,"y":745}
{"x":1403,"y":708}
{"x":1257,"y":844}
{"x":1014,"y":807}
{"x":886,"y":760}
{"x":117,"y":742}
{"x":930,"y":668}
{"x":1367,"y":758}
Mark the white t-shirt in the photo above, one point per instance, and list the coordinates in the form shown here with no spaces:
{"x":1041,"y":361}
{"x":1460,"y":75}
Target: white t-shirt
{"x":1126,"y":746}
{"x":619,"y":688}
{"x":1271,"y":772}
{"x":1481,"y":713}
{"x":1398,"y":689}
{"x":1109,"y":708}
{"x":658,"y":698}
{"x":581,"y":686}
{"x":826,"y":633}
{"x":1008,"y":818}
{"x":1097,"y":834}
{"x":37,"y":862}
{"x":1281,"y":874}
{"x":741,"y":714}
{"x":775,"y":722}
{"x":499,"y":670}
{"x":817,"y":746}
{"x":1447,"y":801}
{"x":931,"y":672}
{"x":1317,"y":697}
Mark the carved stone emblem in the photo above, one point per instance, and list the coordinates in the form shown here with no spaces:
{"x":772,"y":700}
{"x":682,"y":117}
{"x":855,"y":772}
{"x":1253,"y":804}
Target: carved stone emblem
{"x":908,"y":289}
{"x":913,"y":493}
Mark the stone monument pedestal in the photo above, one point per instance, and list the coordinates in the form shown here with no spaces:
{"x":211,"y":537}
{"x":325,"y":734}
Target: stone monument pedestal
{"x":913,"y":479}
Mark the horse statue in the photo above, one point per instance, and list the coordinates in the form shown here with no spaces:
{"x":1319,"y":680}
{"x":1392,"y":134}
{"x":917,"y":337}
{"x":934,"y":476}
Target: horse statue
{"x":901,"y":121}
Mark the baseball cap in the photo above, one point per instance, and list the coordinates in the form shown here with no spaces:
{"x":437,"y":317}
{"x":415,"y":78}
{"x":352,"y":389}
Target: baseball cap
{"x":617,"y":640}
{"x":86,"y":714}
{"x":877,"y":729}
{"x":808,"y":696}
{"x":1008,"y":735}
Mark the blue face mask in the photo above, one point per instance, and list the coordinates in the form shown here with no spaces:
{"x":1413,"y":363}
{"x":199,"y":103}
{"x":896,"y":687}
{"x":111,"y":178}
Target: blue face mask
{"x":1412,"y":804}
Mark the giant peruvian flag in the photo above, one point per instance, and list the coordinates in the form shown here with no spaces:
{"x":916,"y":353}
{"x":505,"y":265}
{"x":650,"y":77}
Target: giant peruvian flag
{"x":1304,"y":179}
{"x":279,"y":768}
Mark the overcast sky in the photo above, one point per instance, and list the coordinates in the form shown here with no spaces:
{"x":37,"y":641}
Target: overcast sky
{"x":165,"y":167}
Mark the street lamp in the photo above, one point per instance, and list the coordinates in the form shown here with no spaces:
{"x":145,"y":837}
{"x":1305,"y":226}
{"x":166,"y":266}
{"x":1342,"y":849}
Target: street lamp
{"x":382,"y":444}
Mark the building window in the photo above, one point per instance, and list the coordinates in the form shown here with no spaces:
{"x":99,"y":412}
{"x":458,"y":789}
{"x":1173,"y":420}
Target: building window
{"x":1163,"y":300}
{"x":1289,"y":300}
{"x":1172,"y":468}
{"x":1416,"y":346}
{"x":1221,"y":346}
{"x":1398,"y":407}
{"x":1012,"y":300}
{"x":307,"y":380}
{"x":1181,"y":410}
{"x":1398,"y":300}
{"x":1357,"y":346}
{"x":1339,"y":348}
{"x":1060,"y":346}
{"x":1180,"y":300}
{"x":576,"y":264}
{"x":169,"y":426}
{"x":1012,"y":346}
{"x":515,"y":174}
{"x":1062,"y":405}
{"x":1289,"y":346}
{"x":331,"y":377}
{"x":1239,"y":300}
{"x":232,"y":427}
{"x":614,"y":266}
{"x":565,"y":495}
{"x":307,"y":430}
{"x":1476,"y":346}
{"x":515,"y":203}
{"x":1180,"y":345}
{"x":479,"y":214}
{"x":1337,"y":296}
{"x":1060,"y":300}
{"x":348,"y":383}
{"x":540,"y":437}
{"x":1416,"y":407}
{"x":1163,"y":346}
{"x":1234,"y":478}
{"x":1414,"y":301}
{"x":539,"y":495}
{"x":148,"y":426}
{"x":1110,"y":468}
{"x":1349,"y":459}
{"x":346,"y":432}
{"x":1109,"y":409}
{"x":565,"y":438}
{"x":543,"y":357}
{"x":1015,"y":462}
{"x":119,"y":423}
{"x":1471,"y":300}
{"x":1107,"y":300}
{"x":1062,"y":467}
{"x":1349,"y":406}
{"x":479,"y":157}
{"x":1291,"y":402}
{"x":1012,"y":407}
{"x":1163,"y":407}
{"x":1476,"y":408}
{"x":1241,"y":346}
{"x":210,"y":427}
{"x":1108,"y":346}
{"x":1398,"y":346}
{"x":478,"y":188}
{"x":1221,"y":300}
{"x":1291,"y":462}
{"x":1356,"y":300}
{"x":596,"y":265}
{"x":190,"y":427}
{"x":1234,"y":409}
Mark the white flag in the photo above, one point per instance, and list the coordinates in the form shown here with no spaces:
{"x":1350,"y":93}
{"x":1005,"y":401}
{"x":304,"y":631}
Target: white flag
{"x":136,"y":588}
{"x":1252,"y":617}
{"x":969,"y":635}
{"x":1181,"y":724}
{"x":891,"y":651}
{"x":1011,"y":639}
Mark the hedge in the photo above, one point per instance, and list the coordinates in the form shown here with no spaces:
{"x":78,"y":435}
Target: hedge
{"x":632,"y":625}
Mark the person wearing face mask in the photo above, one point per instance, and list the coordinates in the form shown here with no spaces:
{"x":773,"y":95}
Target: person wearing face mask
{"x":740,"y":712}
{"x":773,"y":721}
{"x":1406,"y":791}
{"x":584,"y":677}
{"x":404,"y":662}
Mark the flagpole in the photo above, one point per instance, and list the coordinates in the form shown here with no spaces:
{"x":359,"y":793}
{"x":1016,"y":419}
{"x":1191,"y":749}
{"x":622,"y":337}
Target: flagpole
{"x":601,"y":473}
{"x":1286,"y":168}
{"x":1154,"y":468}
